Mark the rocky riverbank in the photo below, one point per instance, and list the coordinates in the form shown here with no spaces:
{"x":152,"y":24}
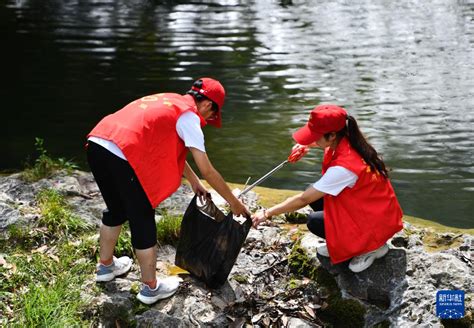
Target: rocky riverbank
{"x":277,"y":281}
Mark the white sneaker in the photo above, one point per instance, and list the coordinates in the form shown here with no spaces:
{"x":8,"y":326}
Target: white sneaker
{"x":165,"y":288}
{"x":118,"y":267}
{"x":323,"y":250}
{"x":362,"y":262}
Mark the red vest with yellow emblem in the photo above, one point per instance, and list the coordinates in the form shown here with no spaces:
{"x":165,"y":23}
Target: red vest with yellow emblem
{"x":362,"y":218}
{"x":145,"y":131}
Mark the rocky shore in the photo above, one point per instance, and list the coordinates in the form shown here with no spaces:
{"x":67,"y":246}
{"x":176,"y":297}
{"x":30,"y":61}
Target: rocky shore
{"x":278,"y":279}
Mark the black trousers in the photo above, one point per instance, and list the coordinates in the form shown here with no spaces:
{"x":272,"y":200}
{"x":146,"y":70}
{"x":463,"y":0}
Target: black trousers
{"x":123,"y":195}
{"x":316,"y":219}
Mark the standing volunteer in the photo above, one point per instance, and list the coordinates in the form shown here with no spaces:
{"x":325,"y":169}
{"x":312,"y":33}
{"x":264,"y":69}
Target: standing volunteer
{"x":138,"y":157}
{"x":356,"y":209}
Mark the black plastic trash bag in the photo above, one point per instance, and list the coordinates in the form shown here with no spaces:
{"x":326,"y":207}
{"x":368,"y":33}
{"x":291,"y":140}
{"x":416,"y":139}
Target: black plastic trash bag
{"x":210,"y":242}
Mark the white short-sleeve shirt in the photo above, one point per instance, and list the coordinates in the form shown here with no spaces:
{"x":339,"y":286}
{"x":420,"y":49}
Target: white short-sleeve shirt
{"x":335,"y":179}
{"x":188,"y":128}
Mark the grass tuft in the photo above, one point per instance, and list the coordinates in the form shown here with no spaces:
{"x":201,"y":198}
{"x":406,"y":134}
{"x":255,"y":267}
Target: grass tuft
{"x":45,"y":166}
{"x":56,"y":215}
{"x":168,"y":229}
{"x":50,"y":305}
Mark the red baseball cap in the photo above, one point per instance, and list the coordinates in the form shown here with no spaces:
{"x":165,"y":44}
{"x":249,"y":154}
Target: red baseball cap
{"x":213,"y":90}
{"x":322,"y":119}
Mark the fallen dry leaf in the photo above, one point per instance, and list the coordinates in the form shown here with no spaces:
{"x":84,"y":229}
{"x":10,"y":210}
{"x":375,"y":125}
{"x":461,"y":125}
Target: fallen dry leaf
{"x":41,"y":249}
{"x":257,"y":317}
{"x":54,"y":257}
{"x":310,"y":311}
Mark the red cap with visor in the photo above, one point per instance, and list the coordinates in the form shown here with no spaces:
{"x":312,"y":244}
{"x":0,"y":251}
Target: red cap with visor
{"x":322,"y":119}
{"x":213,"y":90}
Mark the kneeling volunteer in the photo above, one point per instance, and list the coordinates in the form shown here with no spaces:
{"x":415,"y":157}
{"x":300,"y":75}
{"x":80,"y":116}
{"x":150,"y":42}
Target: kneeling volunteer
{"x":356,"y":209}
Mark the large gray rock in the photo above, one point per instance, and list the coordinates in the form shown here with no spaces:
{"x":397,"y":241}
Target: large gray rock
{"x":377,"y":284}
{"x":154,"y":318}
{"x":401,"y":287}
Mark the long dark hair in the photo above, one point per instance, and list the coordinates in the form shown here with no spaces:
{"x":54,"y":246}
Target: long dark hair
{"x":360,"y":144}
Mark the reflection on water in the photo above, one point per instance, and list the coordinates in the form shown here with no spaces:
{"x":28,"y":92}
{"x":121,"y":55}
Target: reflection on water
{"x":403,"y":69}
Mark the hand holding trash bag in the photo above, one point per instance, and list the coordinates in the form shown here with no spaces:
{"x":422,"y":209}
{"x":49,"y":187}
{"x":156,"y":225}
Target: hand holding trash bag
{"x":199,"y":189}
{"x":209,"y":242}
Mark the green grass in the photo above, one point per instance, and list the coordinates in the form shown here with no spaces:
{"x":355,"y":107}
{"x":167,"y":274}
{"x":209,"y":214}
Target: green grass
{"x":44,"y":267}
{"x":53,"y":305}
{"x":124,"y":243}
{"x":45,"y":166}
{"x":168,"y":229}
{"x":56,"y":215}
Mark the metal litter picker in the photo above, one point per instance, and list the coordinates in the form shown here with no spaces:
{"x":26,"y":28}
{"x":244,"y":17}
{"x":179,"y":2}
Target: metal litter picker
{"x":297,"y":153}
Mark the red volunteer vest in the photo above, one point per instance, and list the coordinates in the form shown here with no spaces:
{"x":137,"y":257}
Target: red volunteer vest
{"x":362,"y":218}
{"x":145,"y":131}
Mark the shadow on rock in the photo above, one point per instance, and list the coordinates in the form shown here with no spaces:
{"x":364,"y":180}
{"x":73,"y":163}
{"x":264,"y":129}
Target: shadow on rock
{"x":381,"y":286}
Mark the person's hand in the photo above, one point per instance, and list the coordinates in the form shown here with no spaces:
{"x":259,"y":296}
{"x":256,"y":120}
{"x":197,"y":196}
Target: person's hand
{"x":258,"y":217}
{"x":199,"y":189}
{"x":297,"y":152}
{"x":238,"y":208}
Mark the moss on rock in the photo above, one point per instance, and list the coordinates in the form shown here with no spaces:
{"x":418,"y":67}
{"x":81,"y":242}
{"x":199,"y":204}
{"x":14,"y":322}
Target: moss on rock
{"x":300,"y":264}
{"x":296,"y":217}
{"x":434,"y":242}
{"x":240,"y":278}
{"x":340,"y":312}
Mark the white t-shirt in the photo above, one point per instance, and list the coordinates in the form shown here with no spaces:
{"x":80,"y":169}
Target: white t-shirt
{"x":335,"y":179}
{"x":109,"y":145}
{"x":188,"y":128}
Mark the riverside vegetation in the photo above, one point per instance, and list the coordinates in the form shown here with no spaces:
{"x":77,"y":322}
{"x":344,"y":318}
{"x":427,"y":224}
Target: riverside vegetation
{"x":47,"y":265}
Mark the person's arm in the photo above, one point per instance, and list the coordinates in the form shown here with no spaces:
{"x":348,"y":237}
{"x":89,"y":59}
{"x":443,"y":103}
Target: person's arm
{"x":289,"y":205}
{"x":193,"y":179}
{"x":210,"y":174}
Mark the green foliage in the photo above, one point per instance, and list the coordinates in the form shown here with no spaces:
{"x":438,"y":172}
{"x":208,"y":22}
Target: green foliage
{"x":56,"y":215}
{"x":44,"y":267}
{"x":42,"y":286}
{"x":168,"y":229}
{"x":241,"y":279}
{"x":50,"y":305}
{"x":300,"y":264}
{"x":124,"y":243}
{"x":344,"y":313}
{"x":44,"y":165}
{"x":340,"y":312}
{"x":17,"y":231}
{"x":296,"y":217}
{"x":293,"y":283}
{"x":23,"y":236}
{"x":85,"y":248}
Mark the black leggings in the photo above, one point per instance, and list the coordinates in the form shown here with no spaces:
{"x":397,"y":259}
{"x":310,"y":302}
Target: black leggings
{"x":316,"y":219}
{"x":123,"y":195}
